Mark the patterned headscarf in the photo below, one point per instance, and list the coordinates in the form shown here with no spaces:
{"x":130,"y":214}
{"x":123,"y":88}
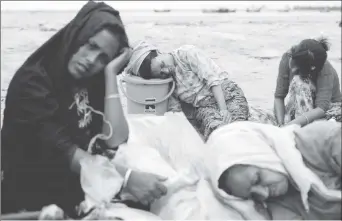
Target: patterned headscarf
{"x":140,"y":51}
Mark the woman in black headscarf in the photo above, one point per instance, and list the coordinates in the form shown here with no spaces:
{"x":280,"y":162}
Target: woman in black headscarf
{"x":53,"y":114}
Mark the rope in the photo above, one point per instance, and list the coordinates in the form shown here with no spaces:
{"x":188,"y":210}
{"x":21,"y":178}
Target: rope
{"x":100,"y":135}
{"x":81,"y":100}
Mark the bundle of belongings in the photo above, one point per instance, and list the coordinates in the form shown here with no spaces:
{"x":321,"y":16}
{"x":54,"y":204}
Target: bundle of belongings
{"x":171,"y":147}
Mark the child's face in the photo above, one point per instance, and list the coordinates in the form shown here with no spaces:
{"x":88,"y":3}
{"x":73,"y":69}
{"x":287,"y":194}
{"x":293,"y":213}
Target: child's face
{"x":162,"y":66}
{"x":251,"y":182}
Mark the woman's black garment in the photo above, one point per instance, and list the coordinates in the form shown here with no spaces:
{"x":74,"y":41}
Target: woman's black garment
{"x":38,"y":126}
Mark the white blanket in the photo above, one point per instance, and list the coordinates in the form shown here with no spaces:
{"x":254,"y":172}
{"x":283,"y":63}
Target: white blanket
{"x":171,"y":147}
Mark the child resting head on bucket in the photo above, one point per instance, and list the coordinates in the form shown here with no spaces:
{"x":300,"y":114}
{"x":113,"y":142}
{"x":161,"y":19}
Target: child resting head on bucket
{"x":204,"y":91}
{"x":292,"y":172}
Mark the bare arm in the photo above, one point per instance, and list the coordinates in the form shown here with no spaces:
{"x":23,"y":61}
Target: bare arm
{"x":174,"y":104}
{"x":114,"y":112}
{"x":282,"y":88}
{"x":208,"y":70}
{"x":219,"y":96}
{"x":325,"y":84}
{"x":308,"y":117}
{"x":113,"y":108}
{"x":279,"y":109}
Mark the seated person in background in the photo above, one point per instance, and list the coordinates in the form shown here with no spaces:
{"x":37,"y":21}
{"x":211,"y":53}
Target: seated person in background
{"x":290,"y":172}
{"x":309,"y":83}
{"x":203,"y":90}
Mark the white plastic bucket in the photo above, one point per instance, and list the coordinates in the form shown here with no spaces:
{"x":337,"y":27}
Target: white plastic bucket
{"x":147,"y":96}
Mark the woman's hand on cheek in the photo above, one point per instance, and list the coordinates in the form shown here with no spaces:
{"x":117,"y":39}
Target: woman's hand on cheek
{"x":146,"y":187}
{"x":119,"y":62}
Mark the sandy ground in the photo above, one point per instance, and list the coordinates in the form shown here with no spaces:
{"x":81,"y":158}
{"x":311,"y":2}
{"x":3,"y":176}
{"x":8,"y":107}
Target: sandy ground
{"x":247,"y":45}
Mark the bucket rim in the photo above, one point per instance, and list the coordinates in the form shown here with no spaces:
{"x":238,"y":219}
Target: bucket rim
{"x":140,"y":80}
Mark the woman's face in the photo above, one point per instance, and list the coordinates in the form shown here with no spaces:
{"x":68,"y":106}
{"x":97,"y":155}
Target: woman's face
{"x":93,"y":56}
{"x":251,"y":182}
{"x":162,"y":66}
{"x":294,"y":69}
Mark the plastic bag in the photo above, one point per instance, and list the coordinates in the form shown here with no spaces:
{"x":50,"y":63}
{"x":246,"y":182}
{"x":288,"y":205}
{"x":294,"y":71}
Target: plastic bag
{"x":100,"y":181}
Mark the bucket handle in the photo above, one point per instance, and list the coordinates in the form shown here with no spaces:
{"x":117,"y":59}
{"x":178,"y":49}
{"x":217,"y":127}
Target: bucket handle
{"x":148,"y":102}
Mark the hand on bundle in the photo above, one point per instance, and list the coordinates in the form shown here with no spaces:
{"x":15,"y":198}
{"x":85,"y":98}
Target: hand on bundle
{"x":146,"y":187}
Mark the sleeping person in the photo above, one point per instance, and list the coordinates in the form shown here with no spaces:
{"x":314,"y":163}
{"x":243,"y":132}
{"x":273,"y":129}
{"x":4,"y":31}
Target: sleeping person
{"x":287,"y":173}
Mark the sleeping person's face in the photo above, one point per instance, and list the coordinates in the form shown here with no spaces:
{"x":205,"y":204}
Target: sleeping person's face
{"x":162,"y":66}
{"x":251,"y":182}
{"x":93,"y":56}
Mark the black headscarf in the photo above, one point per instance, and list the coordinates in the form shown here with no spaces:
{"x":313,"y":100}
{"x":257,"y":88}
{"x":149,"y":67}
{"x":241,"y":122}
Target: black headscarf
{"x":38,"y":124}
{"x":53,"y":56}
{"x":49,"y":62}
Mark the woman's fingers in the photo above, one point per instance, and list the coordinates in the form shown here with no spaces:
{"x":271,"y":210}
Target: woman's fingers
{"x":162,"y":188}
{"x":126,"y":53}
{"x":157,"y":193}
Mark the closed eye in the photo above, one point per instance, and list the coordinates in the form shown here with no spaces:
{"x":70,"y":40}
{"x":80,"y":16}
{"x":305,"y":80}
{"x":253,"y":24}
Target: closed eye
{"x":92,"y":45}
{"x":162,"y":65}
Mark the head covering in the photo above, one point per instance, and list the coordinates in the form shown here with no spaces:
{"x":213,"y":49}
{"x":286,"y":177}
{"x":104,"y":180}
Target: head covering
{"x":92,"y":18}
{"x":264,"y":146}
{"x":37,"y":122}
{"x":310,"y":55}
{"x":320,"y":143}
{"x":140,"y":51}
{"x":50,"y":61}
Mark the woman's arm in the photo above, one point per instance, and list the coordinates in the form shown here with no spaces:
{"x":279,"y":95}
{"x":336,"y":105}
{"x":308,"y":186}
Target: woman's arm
{"x":282,"y":88}
{"x":31,"y":96}
{"x":219,"y":97}
{"x":114,"y":112}
{"x":308,"y":117}
{"x":325,"y":83}
{"x":113,"y":108}
{"x":173,"y":104}
{"x":279,"y":110}
{"x":209,"y":71}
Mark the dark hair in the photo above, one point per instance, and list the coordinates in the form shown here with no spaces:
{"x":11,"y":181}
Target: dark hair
{"x":237,"y":168}
{"x":310,"y":53}
{"x":145,"y":67}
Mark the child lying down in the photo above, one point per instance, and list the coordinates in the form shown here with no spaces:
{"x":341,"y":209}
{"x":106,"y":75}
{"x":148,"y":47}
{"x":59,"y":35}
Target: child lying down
{"x":289,"y":173}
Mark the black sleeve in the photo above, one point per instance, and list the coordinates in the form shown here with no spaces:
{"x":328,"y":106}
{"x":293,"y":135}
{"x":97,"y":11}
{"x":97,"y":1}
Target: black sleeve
{"x":37,"y":107}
